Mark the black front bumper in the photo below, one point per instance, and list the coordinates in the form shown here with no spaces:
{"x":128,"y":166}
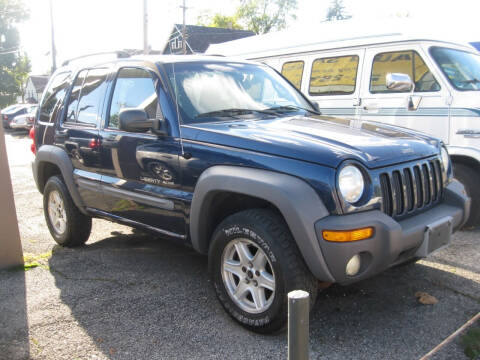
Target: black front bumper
{"x":393,"y":242}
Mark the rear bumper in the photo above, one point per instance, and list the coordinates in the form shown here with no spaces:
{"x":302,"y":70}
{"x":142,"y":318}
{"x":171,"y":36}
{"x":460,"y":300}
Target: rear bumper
{"x":393,"y":242}
{"x":20,"y":126}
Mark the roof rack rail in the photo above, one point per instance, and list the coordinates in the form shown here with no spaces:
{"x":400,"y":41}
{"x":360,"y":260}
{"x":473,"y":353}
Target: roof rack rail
{"x":120,"y":55}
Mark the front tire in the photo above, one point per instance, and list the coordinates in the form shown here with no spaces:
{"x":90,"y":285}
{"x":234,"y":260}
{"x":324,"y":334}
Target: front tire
{"x":468,"y":177}
{"x":254,"y":263}
{"x":67,"y":225}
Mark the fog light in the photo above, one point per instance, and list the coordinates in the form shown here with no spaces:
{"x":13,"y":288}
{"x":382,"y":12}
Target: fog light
{"x":353,"y":265}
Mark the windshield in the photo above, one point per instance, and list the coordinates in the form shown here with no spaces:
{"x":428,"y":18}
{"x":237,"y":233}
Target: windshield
{"x":213,"y":91}
{"x":461,"y":68}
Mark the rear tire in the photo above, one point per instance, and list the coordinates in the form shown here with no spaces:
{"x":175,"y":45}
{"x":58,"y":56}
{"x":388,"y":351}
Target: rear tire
{"x":254,"y":262}
{"x":67,"y":225}
{"x":468,"y":177}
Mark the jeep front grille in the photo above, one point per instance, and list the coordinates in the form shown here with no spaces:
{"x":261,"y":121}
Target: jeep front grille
{"x":411,"y":188}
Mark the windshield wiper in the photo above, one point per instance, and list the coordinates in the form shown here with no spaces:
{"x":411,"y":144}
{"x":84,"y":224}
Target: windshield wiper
{"x":231,"y":112}
{"x":286,"y":108}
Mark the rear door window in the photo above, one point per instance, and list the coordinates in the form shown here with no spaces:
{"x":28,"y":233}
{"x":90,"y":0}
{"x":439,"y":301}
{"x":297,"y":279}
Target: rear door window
{"x":86,"y":98}
{"x":334,"y":75}
{"x":74,"y":96}
{"x":92,"y":95}
{"x":293,"y":71}
{"x":406,"y":62}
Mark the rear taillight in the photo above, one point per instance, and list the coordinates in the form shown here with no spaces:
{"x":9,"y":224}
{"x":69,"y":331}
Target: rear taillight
{"x":5,"y":117}
{"x":31,"y":119}
{"x":33,"y":148}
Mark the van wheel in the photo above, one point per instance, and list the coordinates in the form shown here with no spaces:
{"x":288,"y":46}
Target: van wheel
{"x":68,"y":226}
{"x":468,"y":177}
{"x":254,"y":263}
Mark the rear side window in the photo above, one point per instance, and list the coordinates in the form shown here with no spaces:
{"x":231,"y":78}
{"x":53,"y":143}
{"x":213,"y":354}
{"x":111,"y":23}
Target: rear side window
{"x":134,"y":88}
{"x":87,"y":96}
{"x":406,"y":62}
{"x":53,"y":97}
{"x":334,"y":75}
{"x":293,"y":71}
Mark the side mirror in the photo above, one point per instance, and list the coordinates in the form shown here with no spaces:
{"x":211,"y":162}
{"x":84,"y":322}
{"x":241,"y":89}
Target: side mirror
{"x":134,"y":120}
{"x":316,"y":106}
{"x":399,"y":82}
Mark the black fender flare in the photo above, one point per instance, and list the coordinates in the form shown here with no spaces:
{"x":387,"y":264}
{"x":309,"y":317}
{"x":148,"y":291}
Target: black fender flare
{"x":57,"y":156}
{"x":298,"y":202}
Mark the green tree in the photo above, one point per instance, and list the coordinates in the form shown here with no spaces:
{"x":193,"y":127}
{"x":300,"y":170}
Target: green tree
{"x":14,"y":66}
{"x":220,"y":21}
{"x":336,"y":11}
{"x":263,"y":16}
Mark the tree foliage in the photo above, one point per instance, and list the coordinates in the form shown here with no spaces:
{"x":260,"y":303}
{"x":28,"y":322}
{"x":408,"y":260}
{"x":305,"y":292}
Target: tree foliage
{"x":14,"y":66}
{"x":336,"y":11}
{"x":220,"y":21}
{"x":263,"y":16}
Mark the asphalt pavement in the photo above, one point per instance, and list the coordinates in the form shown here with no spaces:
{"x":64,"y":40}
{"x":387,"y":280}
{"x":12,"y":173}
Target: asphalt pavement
{"x":130,"y":295}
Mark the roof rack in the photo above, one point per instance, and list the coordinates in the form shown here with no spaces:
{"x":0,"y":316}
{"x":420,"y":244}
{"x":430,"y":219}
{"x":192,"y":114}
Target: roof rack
{"x":121,"y":54}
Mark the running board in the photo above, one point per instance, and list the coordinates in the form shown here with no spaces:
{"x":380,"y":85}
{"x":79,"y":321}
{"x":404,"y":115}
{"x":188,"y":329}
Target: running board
{"x":133,"y":223}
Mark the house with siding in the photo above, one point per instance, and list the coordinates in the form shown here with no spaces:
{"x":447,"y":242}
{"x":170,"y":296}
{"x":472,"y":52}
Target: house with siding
{"x":198,"y":38}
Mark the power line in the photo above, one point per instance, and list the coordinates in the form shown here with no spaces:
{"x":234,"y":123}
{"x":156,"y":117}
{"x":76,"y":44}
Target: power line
{"x":9,"y":52}
{"x":8,"y":49}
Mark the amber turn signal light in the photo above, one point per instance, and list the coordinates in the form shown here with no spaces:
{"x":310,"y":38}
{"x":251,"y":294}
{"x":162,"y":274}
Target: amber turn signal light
{"x":348,"y":235}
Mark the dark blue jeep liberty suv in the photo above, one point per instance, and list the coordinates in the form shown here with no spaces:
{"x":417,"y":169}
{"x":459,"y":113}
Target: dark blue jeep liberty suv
{"x":230,"y":158}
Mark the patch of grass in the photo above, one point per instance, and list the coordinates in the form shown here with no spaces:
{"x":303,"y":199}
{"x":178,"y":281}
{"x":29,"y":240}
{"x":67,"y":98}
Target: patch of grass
{"x":32,"y":261}
{"x":471,"y":343}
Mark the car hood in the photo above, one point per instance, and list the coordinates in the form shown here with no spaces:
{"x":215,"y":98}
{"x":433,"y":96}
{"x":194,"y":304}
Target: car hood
{"x":319,"y":139}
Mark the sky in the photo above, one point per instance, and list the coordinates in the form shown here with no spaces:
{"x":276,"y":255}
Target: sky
{"x":89,"y":26}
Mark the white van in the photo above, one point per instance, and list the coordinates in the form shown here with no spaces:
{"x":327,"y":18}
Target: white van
{"x":424,"y":84}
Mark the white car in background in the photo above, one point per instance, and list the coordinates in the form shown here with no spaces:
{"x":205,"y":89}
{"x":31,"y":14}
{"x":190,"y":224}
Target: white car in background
{"x":25,"y":121}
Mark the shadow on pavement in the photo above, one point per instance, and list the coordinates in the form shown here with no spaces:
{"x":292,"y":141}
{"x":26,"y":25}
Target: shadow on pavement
{"x":14,"y":339}
{"x":142,"y":297}
{"x":17,"y":133}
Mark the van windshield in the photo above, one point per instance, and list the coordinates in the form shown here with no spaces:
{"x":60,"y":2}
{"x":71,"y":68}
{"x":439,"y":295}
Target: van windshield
{"x":215,"y":91}
{"x":461,"y":68}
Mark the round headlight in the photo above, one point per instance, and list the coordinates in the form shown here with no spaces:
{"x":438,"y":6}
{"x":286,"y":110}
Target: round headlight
{"x":351,"y":183}
{"x":445,"y":158}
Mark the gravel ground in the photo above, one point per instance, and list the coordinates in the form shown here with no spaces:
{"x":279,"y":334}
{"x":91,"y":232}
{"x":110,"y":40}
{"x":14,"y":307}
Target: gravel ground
{"x":129,"y":295}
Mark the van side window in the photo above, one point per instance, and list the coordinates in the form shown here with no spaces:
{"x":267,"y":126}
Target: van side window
{"x":53,"y":97}
{"x":91,"y":96}
{"x":334,"y":75}
{"x":293,"y":71}
{"x":405,"y":62}
{"x":134,"y":88}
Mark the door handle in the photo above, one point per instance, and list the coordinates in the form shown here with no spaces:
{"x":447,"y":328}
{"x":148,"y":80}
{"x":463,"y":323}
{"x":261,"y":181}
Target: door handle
{"x":370,"y":107}
{"x":61,"y":134}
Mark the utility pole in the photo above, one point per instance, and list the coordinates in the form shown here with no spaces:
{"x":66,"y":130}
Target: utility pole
{"x":145,"y":28}
{"x":184,"y":30}
{"x":54,"y":50}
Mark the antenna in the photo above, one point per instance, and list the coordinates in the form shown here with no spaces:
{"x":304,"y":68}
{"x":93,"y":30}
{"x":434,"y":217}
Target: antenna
{"x":184,"y":30}
{"x":178,"y":109}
